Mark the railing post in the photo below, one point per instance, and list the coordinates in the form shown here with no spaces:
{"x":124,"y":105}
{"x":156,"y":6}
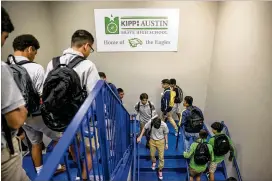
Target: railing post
{"x":100,"y":111}
{"x":134,"y":149}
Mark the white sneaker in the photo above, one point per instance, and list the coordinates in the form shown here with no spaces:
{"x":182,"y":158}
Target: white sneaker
{"x":112,"y":153}
{"x":153,"y":167}
{"x":96,"y":177}
{"x":92,"y":178}
{"x":160,"y":175}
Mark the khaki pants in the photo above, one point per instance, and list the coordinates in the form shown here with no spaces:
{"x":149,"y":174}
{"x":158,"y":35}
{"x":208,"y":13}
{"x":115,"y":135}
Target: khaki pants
{"x":11,"y":165}
{"x":171,"y":120}
{"x":157,"y":145}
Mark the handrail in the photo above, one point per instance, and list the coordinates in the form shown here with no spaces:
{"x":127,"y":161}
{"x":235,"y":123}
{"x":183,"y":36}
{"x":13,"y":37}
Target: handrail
{"x":99,"y":103}
{"x":187,"y":165}
{"x":136,"y":157}
{"x":69,"y":134}
{"x":134,"y":148}
{"x":234,"y":159}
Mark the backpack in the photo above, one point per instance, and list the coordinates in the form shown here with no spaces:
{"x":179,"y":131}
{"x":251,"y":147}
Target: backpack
{"x":221,"y":145}
{"x":62,"y":94}
{"x":25,"y":84}
{"x":156,"y":123}
{"x":195,"y":119}
{"x":202,"y":155}
{"x":179,"y":95}
{"x":150,"y":105}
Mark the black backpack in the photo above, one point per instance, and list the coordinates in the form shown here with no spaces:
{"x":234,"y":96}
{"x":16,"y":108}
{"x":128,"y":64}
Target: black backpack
{"x":195,"y":120}
{"x":156,"y":123}
{"x":179,"y":95}
{"x":221,"y":145}
{"x":62,"y":94}
{"x":150,"y":105}
{"x":25,"y":84}
{"x":202,"y":155}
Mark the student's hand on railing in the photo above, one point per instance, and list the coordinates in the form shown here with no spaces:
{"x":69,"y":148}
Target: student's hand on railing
{"x":166,"y":146}
{"x":139,"y":140}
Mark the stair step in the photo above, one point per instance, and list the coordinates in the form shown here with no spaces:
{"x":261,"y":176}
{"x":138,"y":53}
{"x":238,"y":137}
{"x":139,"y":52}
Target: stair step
{"x":171,"y":176}
{"x":168,"y":163}
{"x":165,"y":157}
{"x":218,"y":176}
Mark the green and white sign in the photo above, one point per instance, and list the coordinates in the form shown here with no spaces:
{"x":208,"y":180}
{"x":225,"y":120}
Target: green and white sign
{"x":136,"y":29}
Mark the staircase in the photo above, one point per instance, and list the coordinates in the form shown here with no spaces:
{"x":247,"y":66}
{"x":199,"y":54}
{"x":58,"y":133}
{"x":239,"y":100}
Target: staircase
{"x":113,"y":158}
{"x":175,"y":165}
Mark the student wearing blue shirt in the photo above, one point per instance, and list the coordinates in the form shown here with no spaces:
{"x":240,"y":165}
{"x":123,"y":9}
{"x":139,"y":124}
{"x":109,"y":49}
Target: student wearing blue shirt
{"x":186,"y":121}
{"x":167,"y":103}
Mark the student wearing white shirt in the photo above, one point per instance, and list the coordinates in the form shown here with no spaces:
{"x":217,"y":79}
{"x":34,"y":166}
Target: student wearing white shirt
{"x":25,"y":49}
{"x":81,"y":45}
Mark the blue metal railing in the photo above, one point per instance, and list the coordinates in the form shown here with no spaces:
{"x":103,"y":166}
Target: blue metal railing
{"x":235,"y":164}
{"x":98,"y":138}
{"x":187,"y":160}
{"x":136,"y":157}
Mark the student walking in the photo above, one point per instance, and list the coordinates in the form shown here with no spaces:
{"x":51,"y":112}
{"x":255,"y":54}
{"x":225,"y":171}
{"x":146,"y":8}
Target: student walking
{"x":178,"y":98}
{"x":221,"y":144}
{"x":80,"y":75}
{"x":167,"y":103}
{"x":25,"y":50}
{"x":158,"y":132}
{"x":146,"y":110}
{"x":192,"y":120}
{"x":200,"y":154}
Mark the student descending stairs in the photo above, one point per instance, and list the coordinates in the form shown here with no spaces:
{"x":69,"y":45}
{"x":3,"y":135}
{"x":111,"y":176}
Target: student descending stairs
{"x":175,"y":165}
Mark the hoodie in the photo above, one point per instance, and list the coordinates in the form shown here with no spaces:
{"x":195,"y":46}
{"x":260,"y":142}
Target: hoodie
{"x":86,"y":69}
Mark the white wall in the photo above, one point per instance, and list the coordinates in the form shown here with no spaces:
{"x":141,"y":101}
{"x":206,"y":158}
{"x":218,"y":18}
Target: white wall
{"x":138,"y":72}
{"x":31,"y":18}
{"x":240,"y":85}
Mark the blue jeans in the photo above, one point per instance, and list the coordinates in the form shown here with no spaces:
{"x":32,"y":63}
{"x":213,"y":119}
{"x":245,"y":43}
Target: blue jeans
{"x":188,"y":142}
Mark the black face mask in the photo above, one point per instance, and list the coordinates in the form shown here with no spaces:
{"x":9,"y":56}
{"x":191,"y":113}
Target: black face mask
{"x":157,"y":123}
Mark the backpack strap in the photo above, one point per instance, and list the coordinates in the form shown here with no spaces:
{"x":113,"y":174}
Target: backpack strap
{"x":138,"y":107}
{"x":10,"y":57}
{"x":8,"y":135}
{"x":14,"y":60}
{"x":23,"y":62}
{"x":56,"y":62}
{"x":152,"y":123}
{"x":150,"y":105}
{"x":75,"y":61}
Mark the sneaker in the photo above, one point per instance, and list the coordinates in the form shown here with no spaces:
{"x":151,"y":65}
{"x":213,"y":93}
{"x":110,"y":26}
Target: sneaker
{"x":112,"y":153}
{"x":96,"y":177}
{"x":176,"y":134}
{"x":153,"y":167}
{"x":160,"y":175}
{"x":208,"y":175}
